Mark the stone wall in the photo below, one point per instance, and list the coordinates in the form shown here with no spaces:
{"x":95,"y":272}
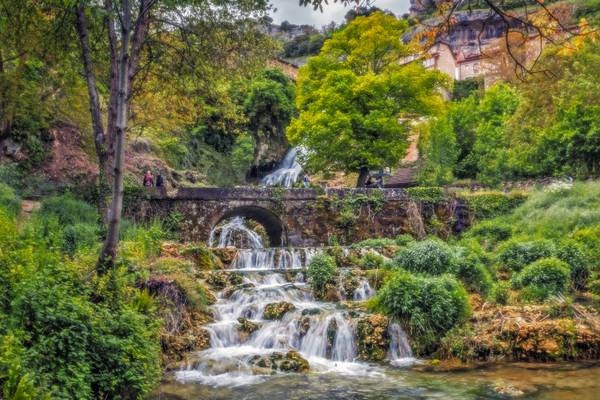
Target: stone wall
{"x":302,"y":217}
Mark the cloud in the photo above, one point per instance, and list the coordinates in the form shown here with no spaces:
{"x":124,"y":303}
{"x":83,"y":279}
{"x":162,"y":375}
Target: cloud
{"x":289,"y":10}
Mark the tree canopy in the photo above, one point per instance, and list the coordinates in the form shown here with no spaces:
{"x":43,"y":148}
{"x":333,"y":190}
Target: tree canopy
{"x":352,"y":95}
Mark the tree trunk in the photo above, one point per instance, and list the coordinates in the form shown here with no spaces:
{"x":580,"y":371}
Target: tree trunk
{"x":97,"y":125}
{"x":363,"y":175}
{"x":106,"y":260}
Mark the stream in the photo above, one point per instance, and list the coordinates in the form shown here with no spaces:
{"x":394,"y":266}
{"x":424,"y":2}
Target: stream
{"x":324,"y":334}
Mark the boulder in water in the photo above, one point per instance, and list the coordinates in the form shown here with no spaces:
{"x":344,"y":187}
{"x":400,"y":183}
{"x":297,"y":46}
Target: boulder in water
{"x":226,"y":255}
{"x":276,"y":311}
{"x":373,"y":339}
{"x":351,"y":281}
{"x":291,"y":361}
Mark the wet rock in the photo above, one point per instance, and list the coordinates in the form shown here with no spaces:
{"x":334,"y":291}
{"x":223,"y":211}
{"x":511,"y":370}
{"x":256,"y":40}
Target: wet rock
{"x":304,"y":325}
{"x":331,"y":293}
{"x":201,"y":256}
{"x":230,"y":290}
{"x":331,"y":335}
{"x":225,"y":255}
{"x":351,"y":282}
{"x":221,"y":279}
{"x":311,"y":311}
{"x":276,"y":311}
{"x":372,"y":337}
{"x":291,"y":361}
{"x":246,"y":328}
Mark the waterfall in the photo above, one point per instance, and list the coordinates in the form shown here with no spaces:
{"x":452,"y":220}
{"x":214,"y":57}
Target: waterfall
{"x":235,"y":233}
{"x":323,"y":333}
{"x":400,"y":353}
{"x":287,"y":172}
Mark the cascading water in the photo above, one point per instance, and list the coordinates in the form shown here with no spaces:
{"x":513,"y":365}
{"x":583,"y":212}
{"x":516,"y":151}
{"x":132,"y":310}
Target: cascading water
{"x":287,"y":172}
{"x":322,"y":333}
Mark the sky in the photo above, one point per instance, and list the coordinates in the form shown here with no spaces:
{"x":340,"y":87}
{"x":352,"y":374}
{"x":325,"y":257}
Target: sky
{"x":290,"y":10}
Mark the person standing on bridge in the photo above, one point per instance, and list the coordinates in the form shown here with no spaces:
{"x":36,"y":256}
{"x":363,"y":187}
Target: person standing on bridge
{"x":148,"y":179}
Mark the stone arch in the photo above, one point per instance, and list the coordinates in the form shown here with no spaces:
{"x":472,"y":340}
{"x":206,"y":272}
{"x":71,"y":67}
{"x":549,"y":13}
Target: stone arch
{"x":274,"y":226}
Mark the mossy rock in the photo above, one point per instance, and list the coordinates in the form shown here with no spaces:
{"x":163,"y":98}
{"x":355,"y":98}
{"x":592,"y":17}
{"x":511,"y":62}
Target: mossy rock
{"x":351,"y":282}
{"x":247,"y":326}
{"x":291,"y":361}
{"x":276,"y":311}
{"x":201,"y":256}
{"x":226,"y":255}
{"x":373,"y":339}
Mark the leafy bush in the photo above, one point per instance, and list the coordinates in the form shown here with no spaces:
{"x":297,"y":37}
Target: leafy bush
{"x":425,"y":194}
{"x":428,"y":306}
{"x":68,"y":210}
{"x":371,"y":260}
{"x":491,"y":204}
{"x":79,"y":236}
{"x":404,"y":239}
{"x":322,"y":271}
{"x":500,"y":292}
{"x":543,"y":278}
{"x":9,"y":201}
{"x":428,"y":256}
{"x":375,"y":243}
{"x":470,"y":270}
{"x":515,"y":254}
{"x":490,"y":232}
{"x":572,"y":253}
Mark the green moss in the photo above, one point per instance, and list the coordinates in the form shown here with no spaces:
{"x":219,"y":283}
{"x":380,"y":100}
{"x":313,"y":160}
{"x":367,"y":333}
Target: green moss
{"x":424,"y":194}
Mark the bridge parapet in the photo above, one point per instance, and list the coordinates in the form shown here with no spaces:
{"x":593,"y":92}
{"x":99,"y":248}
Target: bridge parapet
{"x":300,"y":217}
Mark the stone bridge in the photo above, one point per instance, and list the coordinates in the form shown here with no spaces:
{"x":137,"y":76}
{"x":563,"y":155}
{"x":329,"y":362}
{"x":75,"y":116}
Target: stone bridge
{"x":301,"y":217}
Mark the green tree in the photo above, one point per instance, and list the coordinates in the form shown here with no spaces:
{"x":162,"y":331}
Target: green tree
{"x":352,"y":95}
{"x":269,"y":107}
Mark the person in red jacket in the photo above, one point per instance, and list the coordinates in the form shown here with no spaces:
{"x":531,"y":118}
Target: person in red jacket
{"x":148,"y":179}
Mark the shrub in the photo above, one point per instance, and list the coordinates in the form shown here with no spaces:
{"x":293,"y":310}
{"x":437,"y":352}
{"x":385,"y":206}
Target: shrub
{"x":9,"y":201}
{"x":572,"y":253}
{"x":492,"y":204}
{"x":543,"y":278}
{"x":376,"y":243}
{"x":79,"y":236}
{"x":515,"y":254}
{"x":68,"y":210}
{"x":428,"y":306}
{"x":470,"y":270}
{"x":491,"y":232}
{"x":429,"y":256}
{"x":322,"y":271}
{"x":404,"y":239}
{"x":371,"y":260}
{"x":427,"y":194}
{"x":500,"y":292}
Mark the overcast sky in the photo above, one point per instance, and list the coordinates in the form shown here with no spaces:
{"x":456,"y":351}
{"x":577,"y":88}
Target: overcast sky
{"x":290,"y":10}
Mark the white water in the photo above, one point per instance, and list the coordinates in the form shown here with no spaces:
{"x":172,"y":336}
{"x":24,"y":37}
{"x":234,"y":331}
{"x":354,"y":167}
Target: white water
{"x":321,"y":332}
{"x":287,"y":172}
{"x":235,"y":233}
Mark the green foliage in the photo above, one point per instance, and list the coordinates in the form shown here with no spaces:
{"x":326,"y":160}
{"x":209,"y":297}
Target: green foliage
{"x":404,"y":239}
{"x":427,"y":194}
{"x":492,"y":204}
{"x":573,"y":254}
{"x":375,"y":243}
{"x":322,"y":271}
{"x":304,"y":45}
{"x":351,"y":94}
{"x":500,"y":292}
{"x":371,"y":260}
{"x":9,"y":202}
{"x":437,"y":144}
{"x":79,"y":236}
{"x":68,"y":210}
{"x":468,"y":87}
{"x":429,"y":256}
{"x":543,"y":278}
{"x":428,"y":306}
{"x":491,"y":232}
{"x":516,"y":254}
{"x":467,"y":267}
